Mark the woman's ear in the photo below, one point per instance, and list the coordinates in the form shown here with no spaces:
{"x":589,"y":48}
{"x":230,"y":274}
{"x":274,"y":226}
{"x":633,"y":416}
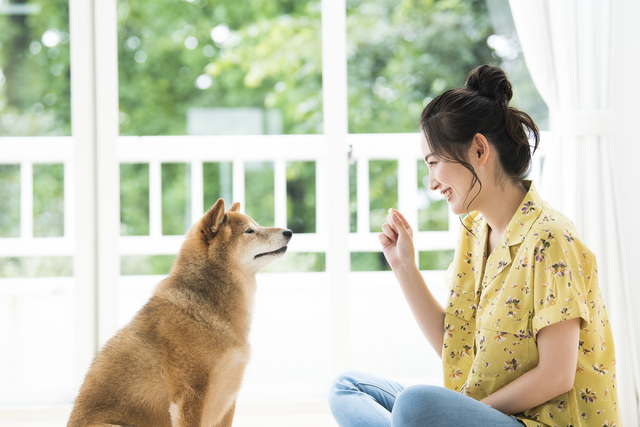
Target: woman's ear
{"x":480,"y":149}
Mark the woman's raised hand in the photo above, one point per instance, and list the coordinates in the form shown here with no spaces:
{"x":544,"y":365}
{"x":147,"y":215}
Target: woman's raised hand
{"x":397,"y":241}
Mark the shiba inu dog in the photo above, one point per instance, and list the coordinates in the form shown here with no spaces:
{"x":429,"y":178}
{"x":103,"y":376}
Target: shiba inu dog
{"x":181,"y":360}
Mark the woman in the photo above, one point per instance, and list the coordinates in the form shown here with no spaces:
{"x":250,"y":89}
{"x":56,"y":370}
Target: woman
{"x":524,"y":336}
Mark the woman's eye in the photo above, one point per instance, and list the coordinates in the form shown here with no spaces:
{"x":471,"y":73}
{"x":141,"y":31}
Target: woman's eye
{"x":249,"y":231}
{"x":430,"y":164}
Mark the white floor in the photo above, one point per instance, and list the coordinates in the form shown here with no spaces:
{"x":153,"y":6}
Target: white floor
{"x":307,"y":414}
{"x":247,"y":420}
{"x":287,"y":420}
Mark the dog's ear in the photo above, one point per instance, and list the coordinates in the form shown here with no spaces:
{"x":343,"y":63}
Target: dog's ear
{"x":235,"y":207}
{"x":212,"y":220}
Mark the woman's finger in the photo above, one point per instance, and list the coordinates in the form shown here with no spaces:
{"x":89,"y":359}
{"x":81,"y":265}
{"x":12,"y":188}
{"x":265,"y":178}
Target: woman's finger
{"x":384,"y":240}
{"x":389,"y":232}
{"x":400,"y":225}
{"x":390,"y":222}
{"x":402,"y":219}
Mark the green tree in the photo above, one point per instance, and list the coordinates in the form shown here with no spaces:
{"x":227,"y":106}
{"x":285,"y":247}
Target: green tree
{"x":178,"y":55}
{"x":34,"y":68}
{"x":401,"y":54}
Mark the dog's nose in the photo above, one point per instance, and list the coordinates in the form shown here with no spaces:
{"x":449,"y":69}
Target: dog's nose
{"x":288,"y":233}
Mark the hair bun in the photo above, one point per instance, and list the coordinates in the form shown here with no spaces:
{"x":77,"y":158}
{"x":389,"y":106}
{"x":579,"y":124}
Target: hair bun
{"x":491,"y":82}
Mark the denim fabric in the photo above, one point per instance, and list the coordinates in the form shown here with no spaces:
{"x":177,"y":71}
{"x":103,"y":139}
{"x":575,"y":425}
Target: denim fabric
{"x":360,"y":399}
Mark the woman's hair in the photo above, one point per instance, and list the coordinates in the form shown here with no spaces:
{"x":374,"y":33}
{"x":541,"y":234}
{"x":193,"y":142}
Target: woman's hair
{"x":451,"y":120}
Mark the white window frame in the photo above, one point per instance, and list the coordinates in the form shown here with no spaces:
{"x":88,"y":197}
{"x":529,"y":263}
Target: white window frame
{"x":95,"y":150}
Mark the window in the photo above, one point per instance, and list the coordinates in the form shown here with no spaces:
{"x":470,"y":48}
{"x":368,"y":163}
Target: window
{"x":37,"y":284}
{"x":303,"y":111}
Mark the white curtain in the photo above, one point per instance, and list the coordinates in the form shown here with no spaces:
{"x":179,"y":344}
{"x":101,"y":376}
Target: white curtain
{"x":567,"y":45}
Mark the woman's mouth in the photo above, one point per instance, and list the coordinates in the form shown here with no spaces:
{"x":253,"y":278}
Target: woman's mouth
{"x":447,"y":194}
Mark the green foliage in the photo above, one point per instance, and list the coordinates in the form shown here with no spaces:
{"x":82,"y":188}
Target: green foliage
{"x":369,"y":261}
{"x":259,"y":192}
{"x":353,"y":197}
{"x":375,"y":261}
{"x":301,"y":197}
{"x":9,"y":200}
{"x":266,"y":54}
{"x":134,"y":199}
{"x":435,"y":260}
{"x":217,"y":183}
{"x":134,"y":265}
{"x":298,"y":262}
{"x":48,"y":200}
{"x":433,"y":211}
{"x":54,"y":266}
{"x":403,"y":53}
{"x":35,"y":78}
{"x":383,"y":191}
{"x":176,"y":198}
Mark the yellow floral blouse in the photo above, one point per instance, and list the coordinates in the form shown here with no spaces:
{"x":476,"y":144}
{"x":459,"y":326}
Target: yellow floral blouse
{"x":539,"y":274}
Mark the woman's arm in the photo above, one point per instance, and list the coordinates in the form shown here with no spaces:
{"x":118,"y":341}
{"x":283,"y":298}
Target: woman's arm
{"x":554,"y":375}
{"x":397,"y":246}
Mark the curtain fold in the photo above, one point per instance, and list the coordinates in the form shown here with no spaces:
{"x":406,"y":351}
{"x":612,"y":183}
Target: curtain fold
{"x":568,"y":51}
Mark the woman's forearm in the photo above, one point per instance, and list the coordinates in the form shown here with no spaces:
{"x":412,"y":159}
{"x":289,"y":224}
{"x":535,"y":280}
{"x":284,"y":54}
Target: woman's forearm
{"x":554,"y":375}
{"x":528,"y":391}
{"x":427,"y":311}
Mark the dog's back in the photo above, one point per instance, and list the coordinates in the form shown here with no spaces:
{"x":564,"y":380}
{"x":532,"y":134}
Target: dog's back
{"x":180,"y":361}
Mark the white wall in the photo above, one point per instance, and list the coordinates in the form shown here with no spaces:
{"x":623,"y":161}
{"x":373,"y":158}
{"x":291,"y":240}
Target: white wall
{"x":625,"y":158}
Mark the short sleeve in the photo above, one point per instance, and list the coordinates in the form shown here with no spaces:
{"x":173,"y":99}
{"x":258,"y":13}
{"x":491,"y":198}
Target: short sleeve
{"x":564,"y":269}
{"x":448,"y":277}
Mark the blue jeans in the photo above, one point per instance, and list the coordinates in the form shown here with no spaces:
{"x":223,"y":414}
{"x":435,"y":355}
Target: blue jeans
{"x":360,"y":399}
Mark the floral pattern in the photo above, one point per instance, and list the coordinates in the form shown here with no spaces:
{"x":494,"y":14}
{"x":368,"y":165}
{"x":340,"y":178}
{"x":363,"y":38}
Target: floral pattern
{"x":539,"y":274}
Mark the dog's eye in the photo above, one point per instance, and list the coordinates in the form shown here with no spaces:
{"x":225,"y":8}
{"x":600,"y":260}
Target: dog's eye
{"x":249,"y":231}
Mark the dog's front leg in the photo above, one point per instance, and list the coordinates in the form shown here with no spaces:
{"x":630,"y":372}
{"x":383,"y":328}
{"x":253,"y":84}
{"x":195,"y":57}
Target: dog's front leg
{"x":186,"y":409}
{"x":227,"y":420}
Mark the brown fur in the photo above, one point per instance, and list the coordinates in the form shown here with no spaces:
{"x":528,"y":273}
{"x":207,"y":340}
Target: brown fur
{"x":181,"y":360}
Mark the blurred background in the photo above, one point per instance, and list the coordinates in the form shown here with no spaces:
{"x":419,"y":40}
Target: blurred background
{"x":225,"y":99}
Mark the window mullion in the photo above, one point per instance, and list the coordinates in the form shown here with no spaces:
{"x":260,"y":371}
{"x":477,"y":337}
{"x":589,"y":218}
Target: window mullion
{"x":334,"y":89}
{"x":108,"y":202}
{"x":80,"y":222}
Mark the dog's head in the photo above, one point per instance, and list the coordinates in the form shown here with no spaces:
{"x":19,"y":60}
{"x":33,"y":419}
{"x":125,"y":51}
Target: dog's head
{"x":237,"y":240}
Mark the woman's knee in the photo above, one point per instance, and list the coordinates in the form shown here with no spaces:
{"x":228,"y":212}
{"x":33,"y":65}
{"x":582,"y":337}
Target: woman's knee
{"x":346,"y":381}
{"x":417,"y":405}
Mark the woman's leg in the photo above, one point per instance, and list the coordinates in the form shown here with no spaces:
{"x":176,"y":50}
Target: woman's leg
{"x":433,"y":406}
{"x":360,"y":399}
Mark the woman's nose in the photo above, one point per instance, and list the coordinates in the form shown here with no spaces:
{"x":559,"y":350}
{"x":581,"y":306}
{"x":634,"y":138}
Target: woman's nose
{"x":433,"y":183}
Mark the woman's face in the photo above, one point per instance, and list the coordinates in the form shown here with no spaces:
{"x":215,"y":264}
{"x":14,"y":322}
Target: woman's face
{"x":452,"y":180}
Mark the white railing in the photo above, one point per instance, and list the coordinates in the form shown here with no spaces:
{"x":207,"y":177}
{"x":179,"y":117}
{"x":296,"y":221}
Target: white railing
{"x":237,"y":149}
{"x":26,"y":152}
{"x":195,"y":150}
